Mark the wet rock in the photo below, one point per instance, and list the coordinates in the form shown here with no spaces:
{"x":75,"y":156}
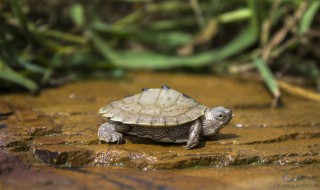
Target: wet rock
{"x":61,"y":124}
{"x":13,"y":142}
{"x":48,"y":140}
{"x":248,"y":135}
{"x":242,"y":177}
{"x":63,"y":155}
{"x":65,"y":127}
{"x":262,"y":148}
{"x":10,"y":162}
{"x":14,"y":174}
{"x":43,"y":130}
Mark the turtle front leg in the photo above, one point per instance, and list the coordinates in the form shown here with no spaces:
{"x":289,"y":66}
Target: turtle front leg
{"x":112,"y":132}
{"x":194,"y":135}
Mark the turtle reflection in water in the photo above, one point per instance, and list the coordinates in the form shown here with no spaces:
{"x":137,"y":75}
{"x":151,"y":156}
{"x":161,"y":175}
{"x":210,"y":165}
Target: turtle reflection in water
{"x":164,"y":115}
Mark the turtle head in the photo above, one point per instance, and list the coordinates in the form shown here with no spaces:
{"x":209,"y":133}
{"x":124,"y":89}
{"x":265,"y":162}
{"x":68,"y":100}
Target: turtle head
{"x":215,"y":119}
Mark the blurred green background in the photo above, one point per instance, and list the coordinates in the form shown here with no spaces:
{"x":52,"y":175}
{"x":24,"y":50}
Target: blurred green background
{"x":48,"y":43}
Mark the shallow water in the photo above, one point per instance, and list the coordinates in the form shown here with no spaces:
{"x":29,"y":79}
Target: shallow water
{"x":262,"y":148}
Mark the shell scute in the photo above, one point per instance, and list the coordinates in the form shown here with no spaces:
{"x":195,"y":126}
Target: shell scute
{"x":150,"y":110}
{"x":148,"y":97}
{"x":119,"y":116}
{"x":131,"y":119}
{"x":175,"y":110}
{"x":118,"y":104}
{"x":167,"y":98}
{"x":159,"y":120}
{"x":145,"y":120}
{"x":131,"y":99}
{"x":171,"y":121}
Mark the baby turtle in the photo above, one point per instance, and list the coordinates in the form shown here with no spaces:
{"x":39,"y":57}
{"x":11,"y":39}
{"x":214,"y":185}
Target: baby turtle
{"x":162,"y":114}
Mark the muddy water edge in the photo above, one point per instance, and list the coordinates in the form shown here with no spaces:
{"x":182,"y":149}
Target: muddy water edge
{"x":50,"y":141}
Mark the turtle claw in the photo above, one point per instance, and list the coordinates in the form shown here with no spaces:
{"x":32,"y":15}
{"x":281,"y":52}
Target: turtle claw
{"x":119,"y":138}
{"x":108,"y":134}
{"x":190,"y":145}
{"x":112,"y":137}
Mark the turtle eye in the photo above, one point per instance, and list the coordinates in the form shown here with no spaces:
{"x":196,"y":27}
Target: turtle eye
{"x":221,"y":116}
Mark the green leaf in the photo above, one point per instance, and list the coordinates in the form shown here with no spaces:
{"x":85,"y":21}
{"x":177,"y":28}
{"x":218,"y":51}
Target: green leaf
{"x":19,"y":14}
{"x":309,"y":16}
{"x":8,"y":74}
{"x":98,"y":26}
{"x":165,"y":39}
{"x":258,"y":13}
{"x":31,"y":67}
{"x":77,"y":14}
{"x":68,"y":37}
{"x":236,"y":15}
{"x":129,"y":19}
{"x":267,"y":76}
{"x":105,"y":49}
{"x":140,"y":60}
{"x":171,"y":23}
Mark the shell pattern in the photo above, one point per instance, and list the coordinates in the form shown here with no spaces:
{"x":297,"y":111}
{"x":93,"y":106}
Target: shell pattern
{"x":154,"y":107}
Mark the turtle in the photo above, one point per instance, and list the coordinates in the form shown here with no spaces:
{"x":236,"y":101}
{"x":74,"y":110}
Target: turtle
{"x":164,"y":115}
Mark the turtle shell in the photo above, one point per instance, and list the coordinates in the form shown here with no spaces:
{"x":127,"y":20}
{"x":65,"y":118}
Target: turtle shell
{"x":154,"y":107}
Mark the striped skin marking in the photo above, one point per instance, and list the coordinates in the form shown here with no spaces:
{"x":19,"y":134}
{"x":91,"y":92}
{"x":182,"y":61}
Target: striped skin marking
{"x":178,"y":134}
{"x":155,"y":134}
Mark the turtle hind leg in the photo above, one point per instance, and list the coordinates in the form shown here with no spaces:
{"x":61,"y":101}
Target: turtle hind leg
{"x":112,"y":132}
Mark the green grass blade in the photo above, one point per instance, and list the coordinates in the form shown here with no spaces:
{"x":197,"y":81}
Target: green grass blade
{"x":171,"y":23}
{"x":6,"y":73}
{"x":267,"y":76}
{"x":258,"y":13}
{"x":77,"y":14}
{"x":31,"y":66}
{"x":309,"y":16}
{"x":165,"y":39}
{"x":98,"y":26}
{"x":105,"y":49}
{"x":140,"y":60}
{"x":16,"y":6}
{"x":68,"y":37}
{"x":236,"y":15}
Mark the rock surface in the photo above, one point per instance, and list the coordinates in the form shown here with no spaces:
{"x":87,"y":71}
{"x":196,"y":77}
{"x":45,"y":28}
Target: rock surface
{"x":59,"y":128}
